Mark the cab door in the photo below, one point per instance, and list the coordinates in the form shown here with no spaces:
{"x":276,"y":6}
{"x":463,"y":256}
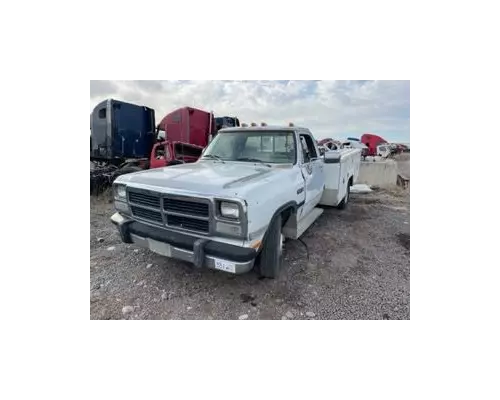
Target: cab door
{"x":159,"y":155}
{"x":312,"y":169}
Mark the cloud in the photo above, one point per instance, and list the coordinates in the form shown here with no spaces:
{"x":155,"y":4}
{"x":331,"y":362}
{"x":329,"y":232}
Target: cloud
{"x":102,"y":88}
{"x":329,"y":108}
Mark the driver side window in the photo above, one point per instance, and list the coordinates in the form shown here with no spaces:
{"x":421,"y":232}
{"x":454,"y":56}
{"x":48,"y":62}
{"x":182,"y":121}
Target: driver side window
{"x":308,"y":149}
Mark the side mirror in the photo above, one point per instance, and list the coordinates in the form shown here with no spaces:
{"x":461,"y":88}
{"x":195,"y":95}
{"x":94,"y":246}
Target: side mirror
{"x":332,"y":157}
{"x":322,"y":151}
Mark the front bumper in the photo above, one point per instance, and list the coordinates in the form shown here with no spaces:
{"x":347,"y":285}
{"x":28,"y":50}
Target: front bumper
{"x":199,"y":252}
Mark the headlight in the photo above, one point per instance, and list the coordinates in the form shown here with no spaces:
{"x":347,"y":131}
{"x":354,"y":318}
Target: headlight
{"x":120,"y":191}
{"x":229,"y":210}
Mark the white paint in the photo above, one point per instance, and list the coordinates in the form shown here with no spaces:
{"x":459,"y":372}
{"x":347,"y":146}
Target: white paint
{"x":337,"y":176}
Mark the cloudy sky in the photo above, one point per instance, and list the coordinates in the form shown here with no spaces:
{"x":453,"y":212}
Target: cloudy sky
{"x":335,"y":109}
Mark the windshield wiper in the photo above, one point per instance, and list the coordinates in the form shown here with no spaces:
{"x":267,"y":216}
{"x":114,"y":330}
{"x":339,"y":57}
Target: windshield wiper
{"x":253,"y":160}
{"x":213,"y":156}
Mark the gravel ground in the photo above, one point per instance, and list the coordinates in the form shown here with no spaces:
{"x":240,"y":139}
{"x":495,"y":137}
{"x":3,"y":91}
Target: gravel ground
{"x":351,"y":264}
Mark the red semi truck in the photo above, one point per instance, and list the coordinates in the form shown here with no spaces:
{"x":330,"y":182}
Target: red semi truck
{"x":181,"y":137}
{"x":372,"y":141}
{"x":188,"y":131}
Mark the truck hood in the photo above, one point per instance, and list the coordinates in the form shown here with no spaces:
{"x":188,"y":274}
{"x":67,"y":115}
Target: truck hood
{"x":207,"y":177}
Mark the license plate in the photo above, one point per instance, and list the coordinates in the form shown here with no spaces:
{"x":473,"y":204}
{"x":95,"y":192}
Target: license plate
{"x":225,"y":266}
{"x":159,"y":247}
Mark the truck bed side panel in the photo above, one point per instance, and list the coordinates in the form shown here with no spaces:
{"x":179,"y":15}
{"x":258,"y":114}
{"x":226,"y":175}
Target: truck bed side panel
{"x":332,"y":177}
{"x":337,"y":176}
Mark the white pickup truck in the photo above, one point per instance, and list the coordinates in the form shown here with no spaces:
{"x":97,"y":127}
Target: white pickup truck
{"x":232,"y":209}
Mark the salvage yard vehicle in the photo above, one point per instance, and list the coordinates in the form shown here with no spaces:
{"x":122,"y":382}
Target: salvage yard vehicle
{"x":124,"y":139}
{"x":233,"y":208}
{"x":384,"y":151}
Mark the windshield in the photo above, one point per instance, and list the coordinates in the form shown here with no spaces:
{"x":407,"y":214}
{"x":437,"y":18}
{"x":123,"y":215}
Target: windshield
{"x":273,"y":147}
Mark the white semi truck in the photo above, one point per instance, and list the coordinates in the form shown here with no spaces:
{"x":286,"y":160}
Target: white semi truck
{"x":231,"y":210}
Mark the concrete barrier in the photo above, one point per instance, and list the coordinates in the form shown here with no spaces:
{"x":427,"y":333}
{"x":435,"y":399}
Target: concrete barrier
{"x":378,"y":173}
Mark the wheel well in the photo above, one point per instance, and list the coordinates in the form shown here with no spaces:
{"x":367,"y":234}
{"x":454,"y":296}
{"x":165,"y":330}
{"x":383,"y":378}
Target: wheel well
{"x":288,"y":210}
{"x":285,"y":214}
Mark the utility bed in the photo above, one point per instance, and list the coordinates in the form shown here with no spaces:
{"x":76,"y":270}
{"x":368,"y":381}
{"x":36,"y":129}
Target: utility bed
{"x":341,"y":166}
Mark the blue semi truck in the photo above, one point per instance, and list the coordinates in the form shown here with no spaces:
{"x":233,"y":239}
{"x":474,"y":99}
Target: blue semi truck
{"x":119,"y":131}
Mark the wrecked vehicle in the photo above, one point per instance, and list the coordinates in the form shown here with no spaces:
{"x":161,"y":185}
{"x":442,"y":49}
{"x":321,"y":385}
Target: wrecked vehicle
{"x":233,"y":208}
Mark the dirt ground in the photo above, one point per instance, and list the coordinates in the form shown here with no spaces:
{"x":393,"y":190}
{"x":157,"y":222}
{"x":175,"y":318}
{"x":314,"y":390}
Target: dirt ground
{"x":350,"y":264}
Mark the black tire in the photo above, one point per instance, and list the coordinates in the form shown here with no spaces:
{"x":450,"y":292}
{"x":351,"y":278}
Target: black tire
{"x":343,"y":204}
{"x":270,"y":258}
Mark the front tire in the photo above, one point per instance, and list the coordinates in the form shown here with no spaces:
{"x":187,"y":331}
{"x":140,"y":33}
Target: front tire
{"x":270,"y":258}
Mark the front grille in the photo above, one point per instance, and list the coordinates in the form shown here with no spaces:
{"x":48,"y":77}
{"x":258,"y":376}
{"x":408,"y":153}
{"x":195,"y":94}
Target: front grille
{"x":187,"y":223}
{"x":186,"y":207}
{"x":144,"y":199}
{"x":192,"y":214}
{"x":149,"y":215}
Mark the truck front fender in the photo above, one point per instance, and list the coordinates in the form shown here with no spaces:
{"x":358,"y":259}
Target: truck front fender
{"x":288,"y":208}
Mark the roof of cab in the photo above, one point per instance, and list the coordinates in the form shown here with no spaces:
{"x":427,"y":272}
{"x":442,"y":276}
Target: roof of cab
{"x":264,"y":128}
